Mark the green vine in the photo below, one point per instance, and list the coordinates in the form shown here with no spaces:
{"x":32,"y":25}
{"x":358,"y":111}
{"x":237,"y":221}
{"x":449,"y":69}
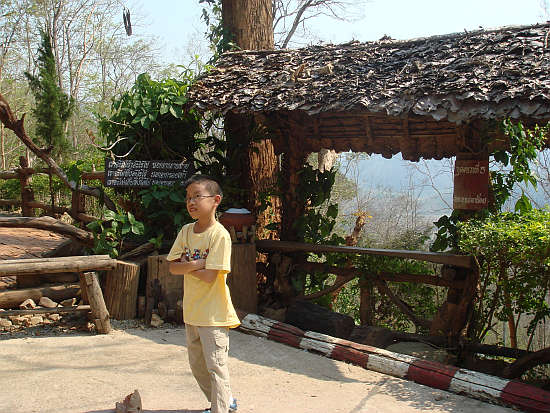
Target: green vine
{"x":221,"y":40}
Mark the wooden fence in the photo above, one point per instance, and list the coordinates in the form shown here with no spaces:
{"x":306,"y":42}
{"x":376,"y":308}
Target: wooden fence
{"x":459,"y":273}
{"x":28,"y":203}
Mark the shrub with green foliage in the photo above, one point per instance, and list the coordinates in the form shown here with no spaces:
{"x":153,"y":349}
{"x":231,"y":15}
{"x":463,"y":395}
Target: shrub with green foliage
{"x":150,"y":121}
{"x":513,"y":251}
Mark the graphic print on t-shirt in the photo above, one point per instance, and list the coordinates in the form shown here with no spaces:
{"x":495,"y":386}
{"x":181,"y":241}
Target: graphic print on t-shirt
{"x":196,"y":254}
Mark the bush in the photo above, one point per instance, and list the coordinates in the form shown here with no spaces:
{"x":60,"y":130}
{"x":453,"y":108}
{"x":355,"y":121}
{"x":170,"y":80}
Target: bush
{"x":513,"y":251}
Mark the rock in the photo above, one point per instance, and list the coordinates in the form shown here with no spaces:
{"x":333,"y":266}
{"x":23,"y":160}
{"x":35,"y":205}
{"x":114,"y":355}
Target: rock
{"x":68,"y":302}
{"x":35,"y":320}
{"x":5,"y":323}
{"x":47,"y":302}
{"x":17,"y":319}
{"x":54,"y":317}
{"x":156,"y":321}
{"x":312,"y":317}
{"x":28,"y":304}
{"x":130,"y":404}
{"x":47,"y":321}
{"x":373,"y":336}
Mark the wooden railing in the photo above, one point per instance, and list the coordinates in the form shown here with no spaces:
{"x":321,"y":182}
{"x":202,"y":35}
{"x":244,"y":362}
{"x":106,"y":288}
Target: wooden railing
{"x":459,"y":273}
{"x":28,"y":203}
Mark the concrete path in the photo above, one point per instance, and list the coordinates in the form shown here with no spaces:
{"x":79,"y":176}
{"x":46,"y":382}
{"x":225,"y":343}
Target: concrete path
{"x":89,"y":373}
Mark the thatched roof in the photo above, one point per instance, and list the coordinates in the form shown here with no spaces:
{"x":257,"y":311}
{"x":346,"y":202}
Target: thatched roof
{"x":451,"y":79}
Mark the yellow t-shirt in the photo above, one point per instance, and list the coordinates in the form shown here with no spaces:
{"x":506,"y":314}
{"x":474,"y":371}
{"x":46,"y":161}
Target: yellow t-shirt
{"x":206,"y":304}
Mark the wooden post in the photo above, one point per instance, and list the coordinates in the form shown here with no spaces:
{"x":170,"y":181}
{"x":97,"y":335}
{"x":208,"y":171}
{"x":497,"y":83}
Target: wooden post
{"x":100,"y":315}
{"x":121,"y":287}
{"x":83,"y":289}
{"x":78,"y":203}
{"x":242,"y":279}
{"x":27,"y":194}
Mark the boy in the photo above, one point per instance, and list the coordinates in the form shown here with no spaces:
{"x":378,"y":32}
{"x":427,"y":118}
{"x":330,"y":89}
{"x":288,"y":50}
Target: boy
{"x":202,"y":253}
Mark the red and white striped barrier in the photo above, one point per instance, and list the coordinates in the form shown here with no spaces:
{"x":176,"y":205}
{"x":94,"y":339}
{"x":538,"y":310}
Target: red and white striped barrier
{"x":430,"y":373}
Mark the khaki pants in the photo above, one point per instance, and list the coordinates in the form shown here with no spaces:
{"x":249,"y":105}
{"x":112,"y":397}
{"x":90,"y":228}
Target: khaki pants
{"x":208,"y":349}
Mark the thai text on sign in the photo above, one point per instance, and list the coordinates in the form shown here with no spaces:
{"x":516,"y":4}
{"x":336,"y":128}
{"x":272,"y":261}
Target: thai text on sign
{"x":471,"y":184}
{"x":142,"y":174}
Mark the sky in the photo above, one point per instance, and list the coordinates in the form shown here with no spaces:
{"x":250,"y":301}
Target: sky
{"x":179,"y":30}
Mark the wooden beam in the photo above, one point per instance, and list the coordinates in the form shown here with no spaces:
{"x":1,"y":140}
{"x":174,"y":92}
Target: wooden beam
{"x":42,"y":310}
{"x":464,"y":261}
{"x":386,"y":276}
{"x":33,"y":266}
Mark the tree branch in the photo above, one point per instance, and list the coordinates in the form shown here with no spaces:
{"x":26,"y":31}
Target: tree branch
{"x":523,"y":364}
{"x":383,"y":288}
{"x":17,"y":126}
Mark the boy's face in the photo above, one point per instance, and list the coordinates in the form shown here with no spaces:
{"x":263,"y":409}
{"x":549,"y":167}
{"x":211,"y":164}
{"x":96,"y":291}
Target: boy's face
{"x":200,"y":202}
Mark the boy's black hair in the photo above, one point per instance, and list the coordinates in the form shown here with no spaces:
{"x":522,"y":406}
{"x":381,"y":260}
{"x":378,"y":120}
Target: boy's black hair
{"x":210,"y":183}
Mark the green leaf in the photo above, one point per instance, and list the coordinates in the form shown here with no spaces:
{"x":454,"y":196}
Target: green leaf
{"x":109,"y":215}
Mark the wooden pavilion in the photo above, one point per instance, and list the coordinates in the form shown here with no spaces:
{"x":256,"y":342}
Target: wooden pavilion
{"x":428,"y":98}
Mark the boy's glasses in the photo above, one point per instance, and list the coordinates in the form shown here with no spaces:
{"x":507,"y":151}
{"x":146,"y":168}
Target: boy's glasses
{"x":196,"y":198}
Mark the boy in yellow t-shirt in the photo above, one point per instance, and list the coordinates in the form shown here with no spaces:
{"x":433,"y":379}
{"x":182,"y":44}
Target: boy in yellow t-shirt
{"x":202,"y":253}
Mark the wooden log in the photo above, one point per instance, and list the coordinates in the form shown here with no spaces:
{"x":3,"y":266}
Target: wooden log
{"x":242,"y":279}
{"x":143,"y":249}
{"x":464,"y":261}
{"x":42,"y":310}
{"x":56,"y":265}
{"x":121,"y":288}
{"x":100,"y":315}
{"x":309,"y":316}
{"x":28,"y":281}
{"x":12,"y":298}
{"x":49,"y":224}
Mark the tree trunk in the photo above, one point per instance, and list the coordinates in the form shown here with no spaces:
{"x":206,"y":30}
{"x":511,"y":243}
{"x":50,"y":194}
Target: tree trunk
{"x":250,"y":24}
